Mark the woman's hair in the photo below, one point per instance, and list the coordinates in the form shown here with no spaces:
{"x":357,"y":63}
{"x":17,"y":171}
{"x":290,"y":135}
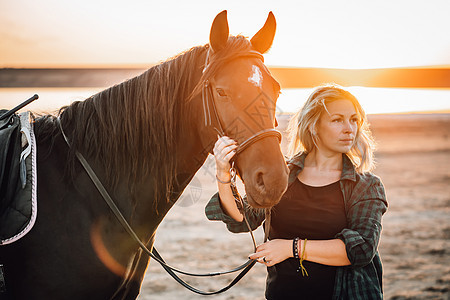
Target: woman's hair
{"x":302,"y":127}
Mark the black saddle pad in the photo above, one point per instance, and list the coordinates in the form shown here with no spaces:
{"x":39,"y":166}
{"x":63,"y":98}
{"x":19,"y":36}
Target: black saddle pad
{"x":18,"y":202}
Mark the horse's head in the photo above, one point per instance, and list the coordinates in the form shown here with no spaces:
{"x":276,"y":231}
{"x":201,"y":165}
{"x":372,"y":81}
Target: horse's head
{"x":239,"y":100}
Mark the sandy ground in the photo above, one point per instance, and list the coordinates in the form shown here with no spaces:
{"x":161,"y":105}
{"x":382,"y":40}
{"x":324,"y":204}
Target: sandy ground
{"x":413,"y":161}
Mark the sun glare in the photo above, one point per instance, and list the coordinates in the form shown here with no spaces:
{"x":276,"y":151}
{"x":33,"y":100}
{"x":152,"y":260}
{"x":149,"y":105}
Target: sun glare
{"x":378,"y":100}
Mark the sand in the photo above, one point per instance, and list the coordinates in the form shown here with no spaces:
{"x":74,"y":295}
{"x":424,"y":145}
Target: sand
{"x":413,"y":161}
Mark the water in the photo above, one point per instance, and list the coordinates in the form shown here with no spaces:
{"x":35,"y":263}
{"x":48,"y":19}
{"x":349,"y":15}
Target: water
{"x":373,"y":100}
{"x":50,"y":99}
{"x":379,"y":100}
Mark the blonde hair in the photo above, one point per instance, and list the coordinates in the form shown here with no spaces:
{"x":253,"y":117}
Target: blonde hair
{"x":301,"y":128}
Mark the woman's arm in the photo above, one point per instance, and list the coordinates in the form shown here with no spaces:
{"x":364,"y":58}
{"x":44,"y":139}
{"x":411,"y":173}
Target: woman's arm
{"x":224,"y":150}
{"x":355,"y":245}
{"x":326,"y":252}
{"x":228,"y":203}
{"x":367,"y":206}
{"x":222,"y":206}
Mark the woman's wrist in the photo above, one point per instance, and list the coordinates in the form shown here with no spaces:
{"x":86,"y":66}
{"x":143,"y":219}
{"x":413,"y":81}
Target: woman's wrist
{"x":223,"y":177}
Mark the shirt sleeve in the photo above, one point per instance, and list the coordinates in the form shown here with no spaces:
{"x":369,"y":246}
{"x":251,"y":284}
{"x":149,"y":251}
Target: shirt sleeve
{"x":214,"y":212}
{"x":364,"y":222}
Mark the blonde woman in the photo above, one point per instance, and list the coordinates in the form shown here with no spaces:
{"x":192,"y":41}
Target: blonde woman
{"x":325,"y":230}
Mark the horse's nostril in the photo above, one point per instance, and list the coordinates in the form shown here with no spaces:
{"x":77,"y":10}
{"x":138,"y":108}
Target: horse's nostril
{"x":260,"y":180}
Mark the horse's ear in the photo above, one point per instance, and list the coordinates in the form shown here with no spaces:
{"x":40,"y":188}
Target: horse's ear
{"x":262,"y":40}
{"x":218,"y":36}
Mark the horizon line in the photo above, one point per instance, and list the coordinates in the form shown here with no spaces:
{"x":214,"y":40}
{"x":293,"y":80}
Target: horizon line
{"x":288,"y":77}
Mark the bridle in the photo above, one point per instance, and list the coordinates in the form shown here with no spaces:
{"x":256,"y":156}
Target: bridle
{"x":208,"y":105}
{"x":211,"y":113}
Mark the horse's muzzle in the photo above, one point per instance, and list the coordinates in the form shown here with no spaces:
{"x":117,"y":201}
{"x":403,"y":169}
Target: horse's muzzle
{"x":266,"y":188}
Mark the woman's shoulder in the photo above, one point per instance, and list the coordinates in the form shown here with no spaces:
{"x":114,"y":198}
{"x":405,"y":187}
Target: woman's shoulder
{"x":368,"y":178}
{"x":369,"y":186}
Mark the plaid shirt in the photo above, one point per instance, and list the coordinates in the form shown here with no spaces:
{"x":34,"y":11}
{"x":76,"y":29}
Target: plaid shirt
{"x":365,"y":203}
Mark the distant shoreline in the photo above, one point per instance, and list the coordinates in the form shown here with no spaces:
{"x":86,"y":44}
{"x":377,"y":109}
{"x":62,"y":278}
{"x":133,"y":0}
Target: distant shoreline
{"x":288,"y":77}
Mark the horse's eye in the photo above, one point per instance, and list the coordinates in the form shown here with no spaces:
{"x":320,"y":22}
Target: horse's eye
{"x":221,"y":93}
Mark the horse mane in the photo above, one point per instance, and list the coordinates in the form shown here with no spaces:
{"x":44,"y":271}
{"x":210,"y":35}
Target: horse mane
{"x":131,"y":129}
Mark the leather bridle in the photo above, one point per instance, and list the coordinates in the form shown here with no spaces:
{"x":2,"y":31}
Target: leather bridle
{"x":211,"y":113}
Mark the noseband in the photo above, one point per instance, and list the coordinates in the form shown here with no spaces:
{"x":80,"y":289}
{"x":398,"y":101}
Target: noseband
{"x":210,"y":111}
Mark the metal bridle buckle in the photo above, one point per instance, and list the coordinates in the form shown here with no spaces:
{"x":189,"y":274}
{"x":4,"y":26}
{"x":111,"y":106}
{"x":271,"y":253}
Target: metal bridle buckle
{"x":233,"y":173}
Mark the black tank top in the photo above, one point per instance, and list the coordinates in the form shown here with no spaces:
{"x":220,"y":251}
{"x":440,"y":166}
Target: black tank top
{"x":315,"y":213}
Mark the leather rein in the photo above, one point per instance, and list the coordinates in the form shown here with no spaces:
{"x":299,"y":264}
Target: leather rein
{"x":154,"y":253}
{"x":208,"y":106}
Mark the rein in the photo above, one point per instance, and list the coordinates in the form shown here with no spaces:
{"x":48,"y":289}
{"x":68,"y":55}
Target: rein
{"x":154,"y":253}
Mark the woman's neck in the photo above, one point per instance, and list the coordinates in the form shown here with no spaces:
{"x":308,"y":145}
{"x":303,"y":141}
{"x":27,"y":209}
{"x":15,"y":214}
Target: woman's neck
{"x":321,"y":169}
{"x":324,"y":161}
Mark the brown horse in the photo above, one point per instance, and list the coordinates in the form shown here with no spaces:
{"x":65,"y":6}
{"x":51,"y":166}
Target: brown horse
{"x":145,"y":138}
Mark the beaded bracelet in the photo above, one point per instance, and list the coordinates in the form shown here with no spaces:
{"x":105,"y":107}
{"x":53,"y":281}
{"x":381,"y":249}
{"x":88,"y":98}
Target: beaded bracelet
{"x":295,"y":247}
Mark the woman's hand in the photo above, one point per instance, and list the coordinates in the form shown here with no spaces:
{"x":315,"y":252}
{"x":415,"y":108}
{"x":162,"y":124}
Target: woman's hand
{"x":273,"y":252}
{"x":224,"y":150}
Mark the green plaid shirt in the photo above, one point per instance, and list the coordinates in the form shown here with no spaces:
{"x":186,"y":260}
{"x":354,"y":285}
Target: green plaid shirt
{"x":365,"y":203}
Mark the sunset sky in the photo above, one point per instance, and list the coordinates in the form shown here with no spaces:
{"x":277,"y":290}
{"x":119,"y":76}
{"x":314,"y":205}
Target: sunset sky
{"x":330,"y":34}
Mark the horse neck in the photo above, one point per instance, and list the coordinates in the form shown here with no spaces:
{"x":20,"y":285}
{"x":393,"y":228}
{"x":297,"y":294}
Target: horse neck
{"x":193,"y":143}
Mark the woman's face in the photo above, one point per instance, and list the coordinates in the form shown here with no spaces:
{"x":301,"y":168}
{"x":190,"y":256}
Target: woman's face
{"x":337,"y":127}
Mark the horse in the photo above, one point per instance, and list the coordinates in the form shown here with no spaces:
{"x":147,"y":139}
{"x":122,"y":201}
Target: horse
{"x":145,"y":138}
